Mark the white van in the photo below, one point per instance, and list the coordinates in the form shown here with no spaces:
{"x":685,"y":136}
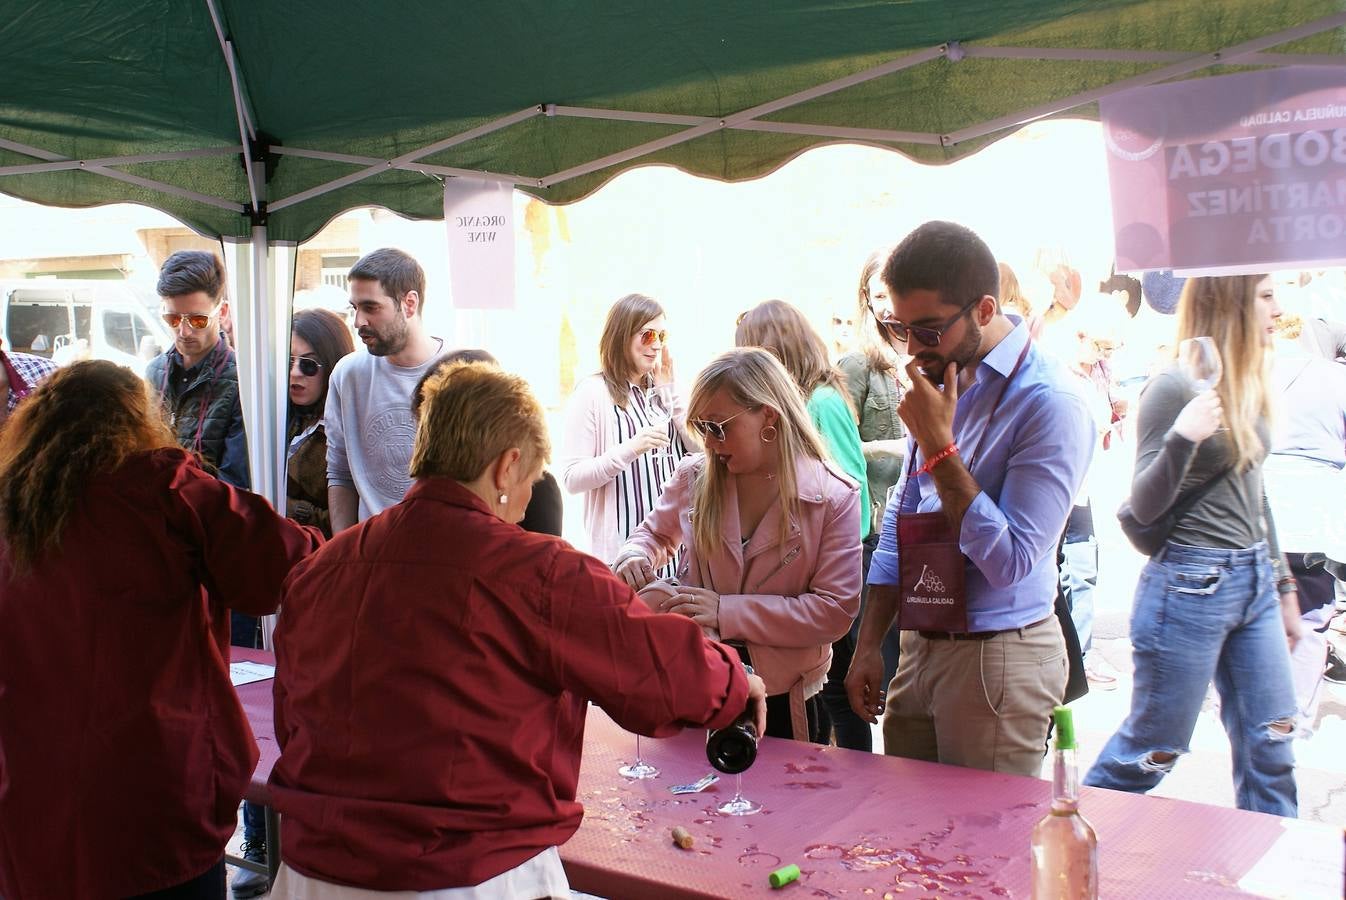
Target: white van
{"x":67,"y":319}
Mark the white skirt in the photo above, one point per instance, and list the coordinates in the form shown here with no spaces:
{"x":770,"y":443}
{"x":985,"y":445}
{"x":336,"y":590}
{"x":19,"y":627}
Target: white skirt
{"x":541,"y":876}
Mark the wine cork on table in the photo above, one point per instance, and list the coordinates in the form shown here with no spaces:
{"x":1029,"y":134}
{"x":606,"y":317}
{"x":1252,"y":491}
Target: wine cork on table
{"x":683,"y":838}
{"x":783,"y":876}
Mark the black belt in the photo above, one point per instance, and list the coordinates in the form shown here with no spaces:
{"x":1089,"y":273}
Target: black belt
{"x":977,"y":635}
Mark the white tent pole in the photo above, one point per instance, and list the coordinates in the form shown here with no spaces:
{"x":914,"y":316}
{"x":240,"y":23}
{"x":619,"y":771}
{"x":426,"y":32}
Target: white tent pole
{"x":278,"y":277}
{"x":60,"y":165}
{"x":762,"y":109}
{"x":836,"y":131}
{"x":1084,"y":54}
{"x":843,"y":134}
{"x":149,"y":183}
{"x":261,"y":336}
{"x":425,"y":168}
{"x":397,"y":161}
{"x":246,"y":131}
{"x":1227,"y":56}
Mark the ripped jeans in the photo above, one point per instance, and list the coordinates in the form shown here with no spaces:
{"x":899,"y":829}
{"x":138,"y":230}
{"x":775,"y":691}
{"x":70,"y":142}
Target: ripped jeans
{"x":1201,"y":613}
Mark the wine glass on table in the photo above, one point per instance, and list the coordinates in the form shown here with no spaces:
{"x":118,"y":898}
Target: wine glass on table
{"x":739,"y":805}
{"x":639,"y":768}
{"x":1199,"y":360}
{"x":732,"y":750}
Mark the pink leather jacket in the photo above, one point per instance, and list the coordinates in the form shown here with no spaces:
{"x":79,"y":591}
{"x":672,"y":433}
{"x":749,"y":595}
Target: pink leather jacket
{"x":786,"y":601}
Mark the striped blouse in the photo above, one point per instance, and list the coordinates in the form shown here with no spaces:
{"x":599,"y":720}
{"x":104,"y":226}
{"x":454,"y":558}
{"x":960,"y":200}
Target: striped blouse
{"x":638,"y":485}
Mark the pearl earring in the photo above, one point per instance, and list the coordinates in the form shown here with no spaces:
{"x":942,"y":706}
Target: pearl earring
{"x":503,"y":499}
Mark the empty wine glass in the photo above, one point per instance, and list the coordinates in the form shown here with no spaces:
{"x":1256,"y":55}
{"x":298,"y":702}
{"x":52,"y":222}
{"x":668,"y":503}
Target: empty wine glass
{"x":659,"y":409}
{"x":739,"y":805}
{"x":639,"y":768}
{"x":1199,"y":360}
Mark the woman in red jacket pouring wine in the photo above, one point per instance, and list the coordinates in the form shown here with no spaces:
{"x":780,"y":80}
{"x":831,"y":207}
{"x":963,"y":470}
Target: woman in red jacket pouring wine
{"x":434,"y":664}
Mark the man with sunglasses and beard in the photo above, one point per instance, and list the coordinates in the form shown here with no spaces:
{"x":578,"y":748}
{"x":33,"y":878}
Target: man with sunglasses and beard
{"x":197,"y":378}
{"x":370,"y":427}
{"x":1000,"y":440}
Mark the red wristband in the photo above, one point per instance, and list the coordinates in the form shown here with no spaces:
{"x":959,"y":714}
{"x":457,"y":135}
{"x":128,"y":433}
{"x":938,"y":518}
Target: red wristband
{"x":937,"y":459}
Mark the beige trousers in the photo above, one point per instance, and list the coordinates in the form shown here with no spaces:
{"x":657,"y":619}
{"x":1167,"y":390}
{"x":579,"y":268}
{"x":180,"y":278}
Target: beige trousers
{"x":982,"y":704}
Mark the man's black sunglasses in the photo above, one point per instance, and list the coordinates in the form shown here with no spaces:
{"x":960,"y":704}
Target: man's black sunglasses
{"x":930,"y":337}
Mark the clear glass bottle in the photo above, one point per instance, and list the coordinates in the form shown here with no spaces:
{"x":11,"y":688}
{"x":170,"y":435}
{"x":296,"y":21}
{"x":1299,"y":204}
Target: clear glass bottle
{"x":1065,"y":849}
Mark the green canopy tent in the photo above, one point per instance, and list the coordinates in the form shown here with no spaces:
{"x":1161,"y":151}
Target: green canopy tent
{"x":257,"y":122}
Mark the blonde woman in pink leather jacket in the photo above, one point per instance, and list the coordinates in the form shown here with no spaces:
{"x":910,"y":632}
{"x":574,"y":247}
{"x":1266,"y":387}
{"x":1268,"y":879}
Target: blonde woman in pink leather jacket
{"x":770,"y":535}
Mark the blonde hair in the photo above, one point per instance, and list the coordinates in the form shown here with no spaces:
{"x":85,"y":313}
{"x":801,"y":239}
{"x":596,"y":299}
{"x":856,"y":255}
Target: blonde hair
{"x":1011,"y":292}
{"x":753,"y":379}
{"x":1225,"y":309}
{"x":879,"y":354}
{"x":470,"y":414}
{"x":624,"y":321}
{"x":779,"y":328}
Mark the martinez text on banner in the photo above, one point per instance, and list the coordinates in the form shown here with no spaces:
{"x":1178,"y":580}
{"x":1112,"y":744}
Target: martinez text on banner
{"x":1232,"y":171}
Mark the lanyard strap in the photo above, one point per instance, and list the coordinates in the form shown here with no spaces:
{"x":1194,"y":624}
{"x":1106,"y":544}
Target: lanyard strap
{"x":911,"y":463}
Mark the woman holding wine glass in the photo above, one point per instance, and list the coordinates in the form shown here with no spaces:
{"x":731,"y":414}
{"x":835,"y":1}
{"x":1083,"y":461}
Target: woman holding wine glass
{"x":623,"y":426}
{"x":1217,"y":600}
{"x":770,"y":531}
{"x":782,"y":330}
{"x":622,"y":436}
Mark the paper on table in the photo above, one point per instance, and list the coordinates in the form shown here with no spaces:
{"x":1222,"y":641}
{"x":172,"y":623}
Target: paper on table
{"x":248,"y":672}
{"x":1305,"y":863}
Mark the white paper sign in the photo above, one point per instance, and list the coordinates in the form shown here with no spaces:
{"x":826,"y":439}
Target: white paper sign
{"x":248,"y":672}
{"x":479,"y":218}
{"x":1305,"y":863}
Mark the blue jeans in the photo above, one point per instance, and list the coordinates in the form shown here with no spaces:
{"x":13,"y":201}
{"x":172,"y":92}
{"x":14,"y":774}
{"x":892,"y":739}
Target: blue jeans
{"x":1203,"y":613}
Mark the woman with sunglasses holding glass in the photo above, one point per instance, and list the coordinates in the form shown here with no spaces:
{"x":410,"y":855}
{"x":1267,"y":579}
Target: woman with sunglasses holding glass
{"x":622,"y":429}
{"x":782,"y":330}
{"x":318,"y":338}
{"x":770,"y":532}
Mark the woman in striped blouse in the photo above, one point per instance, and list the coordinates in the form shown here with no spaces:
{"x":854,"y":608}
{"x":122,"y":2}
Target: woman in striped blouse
{"x":623,"y":426}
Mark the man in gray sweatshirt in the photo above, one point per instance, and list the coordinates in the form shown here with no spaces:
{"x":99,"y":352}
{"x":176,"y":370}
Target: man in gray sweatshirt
{"x":370,"y":427}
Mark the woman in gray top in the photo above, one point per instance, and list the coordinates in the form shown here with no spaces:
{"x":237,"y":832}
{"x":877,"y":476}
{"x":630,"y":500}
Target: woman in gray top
{"x":1216,"y":601}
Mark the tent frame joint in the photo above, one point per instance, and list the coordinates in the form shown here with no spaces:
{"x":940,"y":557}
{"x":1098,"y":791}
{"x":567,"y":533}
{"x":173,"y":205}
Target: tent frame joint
{"x":262,"y":149}
{"x":257,"y":216}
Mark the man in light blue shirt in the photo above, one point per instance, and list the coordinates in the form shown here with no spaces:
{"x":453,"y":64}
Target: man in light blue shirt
{"x":981,"y":698}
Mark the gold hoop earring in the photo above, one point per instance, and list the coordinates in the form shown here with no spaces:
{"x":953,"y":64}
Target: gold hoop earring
{"x":768,"y":440}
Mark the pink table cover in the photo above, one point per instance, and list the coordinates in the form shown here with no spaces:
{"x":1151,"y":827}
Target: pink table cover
{"x":858,"y":825}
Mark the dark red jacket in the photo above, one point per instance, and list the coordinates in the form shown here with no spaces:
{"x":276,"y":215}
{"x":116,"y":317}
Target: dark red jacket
{"x":433,"y":665}
{"x":123,"y":749}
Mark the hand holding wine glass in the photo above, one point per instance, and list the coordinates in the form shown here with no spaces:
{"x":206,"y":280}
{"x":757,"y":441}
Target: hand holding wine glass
{"x":1199,"y":359}
{"x":659,"y":410}
{"x":1200,"y":418}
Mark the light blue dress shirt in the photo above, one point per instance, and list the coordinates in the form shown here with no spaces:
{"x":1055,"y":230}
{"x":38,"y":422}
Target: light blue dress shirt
{"x":1030,"y":461}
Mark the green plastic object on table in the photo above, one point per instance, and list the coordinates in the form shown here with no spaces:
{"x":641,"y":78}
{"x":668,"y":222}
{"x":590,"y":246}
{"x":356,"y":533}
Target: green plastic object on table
{"x":784,"y":875}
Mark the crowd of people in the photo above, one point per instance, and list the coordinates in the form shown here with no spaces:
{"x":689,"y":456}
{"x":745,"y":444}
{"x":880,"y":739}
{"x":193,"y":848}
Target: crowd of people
{"x":905,"y":532}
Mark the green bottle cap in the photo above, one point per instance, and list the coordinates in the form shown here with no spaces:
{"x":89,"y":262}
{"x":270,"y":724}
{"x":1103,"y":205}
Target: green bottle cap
{"x":784,"y":875}
{"x":1065,"y":728}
